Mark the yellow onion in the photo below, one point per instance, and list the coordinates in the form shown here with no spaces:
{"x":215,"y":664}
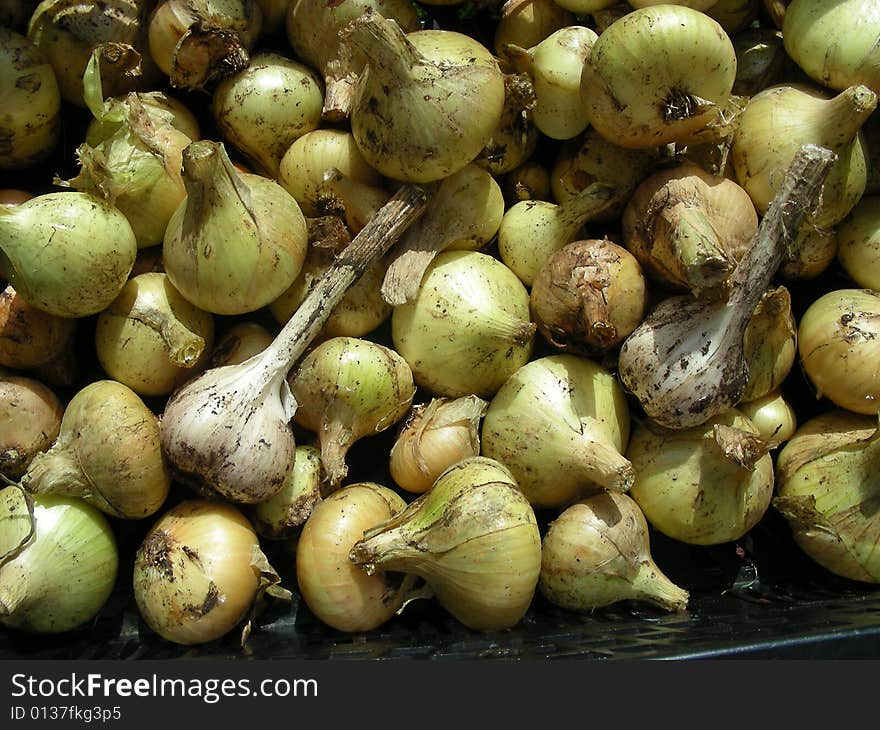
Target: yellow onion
{"x":597,"y":552}
{"x":827,"y":488}
{"x":427,"y":102}
{"x":528,"y":181}
{"x":526,"y":23}
{"x":30,"y":337}
{"x":282,"y":515}
{"x":262,"y":109}
{"x":347,"y":388}
{"x":560,"y":424}
{"x":769,"y":344}
{"x":240,"y":342}
{"x":152,"y":339}
{"x":837,"y":337}
{"x":237,"y":240}
{"x":107,"y":453}
{"x":352,"y":201}
{"x":30,"y":419}
{"x":58,"y":562}
{"x":516,"y":137}
{"x":468,"y":328}
{"x":704,"y":485}
{"x":773,"y":416}
{"x":636,"y":101}
{"x":435,"y":436}
{"x":338,"y":592}
{"x":474,"y":539}
{"x":858,"y":240}
{"x":588,"y":297}
{"x":30,"y":124}
{"x":66,"y":253}
{"x":200,"y":572}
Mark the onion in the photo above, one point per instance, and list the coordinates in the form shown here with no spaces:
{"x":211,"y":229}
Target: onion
{"x":837,"y":337}
{"x":30,"y":337}
{"x":30,"y":418}
{"x":473,"y":537}
{"x":827,"y":488}
{"x":516,"y":138}
{"x":427,"y":103}
{"x":836,"y":45}
{"x":769,"y":344}
{"x":529,"y":181}
{"x":59,"y":562}
{"x":237,"y":241}
{"x":773,"y":416}
{"x":348,"y":388}
{"x":281,"y":516}
{"x":338,"y":592}
{"x":31,"y":123}
{"x":734,"y":16}
{"x":597,"y":552}
{"x":526,"y":23}
{"x":761,"y":60}
{"x":264,"y":108}
{"x":200,"y":572}
{"x":240,"y":342}
{"x":560,"y":423}
{"x":353,"y":201}
{"x":314,"y":32}
{"x":152,"y":339}
{"x":704,"y":485}
{"x":858,"y":238}
{"x":68,"y":254}
{"x":468,"y":328}
{"x":636,"y":102}
{"x":107,"y":452}
{"x":274,"y":14}
{"x":13,"y":196}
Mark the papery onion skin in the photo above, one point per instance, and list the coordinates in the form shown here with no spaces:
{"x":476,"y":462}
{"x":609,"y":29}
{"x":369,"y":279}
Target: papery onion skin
{"x":483,"y":333}
{"x":695,"y":491}
{"x":836,"y":346}
{"x":338,"y":592}
{"x":683,"y":71}
{"x":30,"y":419}
{"x":64,"y":576}
{"x":827,"y":489}
{"x":769,"y":344}
{"x":197,"y":572}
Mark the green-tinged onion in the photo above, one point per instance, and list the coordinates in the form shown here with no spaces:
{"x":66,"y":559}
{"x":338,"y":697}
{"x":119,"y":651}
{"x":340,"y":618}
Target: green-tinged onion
{"x":282,"y":515}
{"x":858,"y":240}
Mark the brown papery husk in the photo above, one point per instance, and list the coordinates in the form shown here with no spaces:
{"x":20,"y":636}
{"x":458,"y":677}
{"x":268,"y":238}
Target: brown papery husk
{"x":588,"y":297}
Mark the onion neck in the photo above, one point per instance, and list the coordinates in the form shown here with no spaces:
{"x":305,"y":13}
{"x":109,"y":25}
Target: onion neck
{"x":335,"y":440}
{"x":605,"y":466}
{"x":390,"y":53}
{"x":698,"y":254}
{"x":651,"y":585}
{"x":583,"y":207}
{"x":57,"y":471}
{"x":842,"y":116}
{"x":184,"y":346}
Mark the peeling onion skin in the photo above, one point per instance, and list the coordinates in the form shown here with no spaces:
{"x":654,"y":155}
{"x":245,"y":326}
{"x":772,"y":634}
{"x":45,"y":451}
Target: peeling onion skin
{"x":650,"y":75}
{"x":30,"y":419}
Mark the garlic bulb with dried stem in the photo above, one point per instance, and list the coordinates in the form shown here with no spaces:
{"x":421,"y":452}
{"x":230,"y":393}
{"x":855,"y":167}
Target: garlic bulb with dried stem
{"x":560,"y":423}
{"x":827,"y":489}
{"x":689,"y":228}
{"x":435,"y":436}
{"x":30,"y":419}
{"x":347,"y":388}
{"x":704,"y":485}
{"x":597,"y":552}
{"x":474,"y":539}
{"x":588,"y":297}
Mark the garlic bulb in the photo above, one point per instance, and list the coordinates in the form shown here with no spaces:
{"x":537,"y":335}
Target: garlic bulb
{"x":590,"y":158}
{"x":69,"y":32}
{"x":689,"y":228}
{"x":554,"y":65}
{"x":338,"y":592}
{"x":30,"y":337}
{"x":769,"y":344}
{"x":464,"y":214}
{"x":67,"y":253}
{"x":532,"y":230}
{"x":304,"y":164}
{"x":59,"y":562}
{"x":597,"y":552}
{"x":468,"y":328}
{"x":858,"y":240}
{"x":282,"y":515}
{"x":773,"y":416}
{"x":474,"y":539}
{"x":347,"y":388}
{"x":435,"y":436}
{"x":836,"y":45}
{"x":704,"y":485}
{"x":107,"y":453}
{"x":837,"y":337}
{"x":560,"y":424}
{"x":262,"y":109}
{"x":526,"y":23}
{"x":428,"y":101}
{"x":31,"y":123}
{"x":152,"y":339}
{"x":198,"y":42}
{"x":131,"y":158}
{"x":240,"y":342}
{"x":200,"y":572}
{"x":635,"y":102}
{"x":237,"y":241}
{"x":684,"y":362}
{"x":588,"y":297}
{"x":827,"y":486}
{"x":314,"y":32}
{"x":30,"y":419}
